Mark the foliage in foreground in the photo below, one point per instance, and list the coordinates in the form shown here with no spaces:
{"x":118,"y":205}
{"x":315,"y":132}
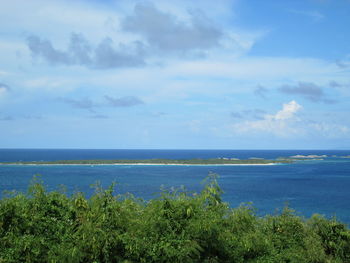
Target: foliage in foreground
{"x":178,"y":226}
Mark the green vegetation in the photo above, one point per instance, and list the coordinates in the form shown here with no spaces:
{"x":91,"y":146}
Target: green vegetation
{"x":213,"y":161}
{"x":179,"y":226}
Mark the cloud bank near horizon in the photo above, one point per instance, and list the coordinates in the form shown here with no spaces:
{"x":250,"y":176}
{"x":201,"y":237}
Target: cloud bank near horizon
{"x":217,"y":73}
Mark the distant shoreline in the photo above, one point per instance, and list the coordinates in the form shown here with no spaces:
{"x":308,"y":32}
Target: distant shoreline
{"x":159,"y":162}
{"x":137,"y":164}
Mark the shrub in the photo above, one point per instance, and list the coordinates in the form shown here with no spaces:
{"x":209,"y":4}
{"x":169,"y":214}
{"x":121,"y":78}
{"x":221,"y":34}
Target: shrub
{"x":179,"y":226}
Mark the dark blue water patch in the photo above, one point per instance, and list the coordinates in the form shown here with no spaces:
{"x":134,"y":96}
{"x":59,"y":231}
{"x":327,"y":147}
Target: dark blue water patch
{"x":143,"y":181}
{"x":309,"y":187}
{"x":11,"y":155}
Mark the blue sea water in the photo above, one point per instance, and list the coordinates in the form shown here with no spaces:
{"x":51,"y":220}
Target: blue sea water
{"x":308,"y":187}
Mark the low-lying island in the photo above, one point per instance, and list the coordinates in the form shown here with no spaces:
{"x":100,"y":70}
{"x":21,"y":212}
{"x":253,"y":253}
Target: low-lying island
{"x":212,"y":161}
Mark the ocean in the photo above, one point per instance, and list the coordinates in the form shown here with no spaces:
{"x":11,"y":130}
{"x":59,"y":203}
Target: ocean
{"x":319,"y":186}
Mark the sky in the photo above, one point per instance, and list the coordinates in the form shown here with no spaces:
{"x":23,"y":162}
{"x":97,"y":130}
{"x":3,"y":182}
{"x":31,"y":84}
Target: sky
{"x":127,"y":74}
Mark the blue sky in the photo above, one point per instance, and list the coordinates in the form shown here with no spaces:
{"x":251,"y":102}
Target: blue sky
{"x":175,"y":74}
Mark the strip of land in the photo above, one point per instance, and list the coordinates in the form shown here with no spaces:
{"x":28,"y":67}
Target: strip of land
{"x":213,"y":161}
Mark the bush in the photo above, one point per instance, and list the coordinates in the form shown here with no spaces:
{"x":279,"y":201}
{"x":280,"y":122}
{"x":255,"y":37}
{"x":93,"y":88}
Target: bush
{"x":179,"y":226}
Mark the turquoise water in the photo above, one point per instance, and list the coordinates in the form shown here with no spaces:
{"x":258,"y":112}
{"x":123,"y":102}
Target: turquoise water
{"x":309,"y":187}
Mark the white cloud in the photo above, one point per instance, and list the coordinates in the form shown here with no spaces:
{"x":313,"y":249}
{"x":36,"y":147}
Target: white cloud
{"x":288,"y":111}
{"x":221,"y":76}
{"x":286,"y":123}
{"x":280,"y":124}
{"x":228,"y":61}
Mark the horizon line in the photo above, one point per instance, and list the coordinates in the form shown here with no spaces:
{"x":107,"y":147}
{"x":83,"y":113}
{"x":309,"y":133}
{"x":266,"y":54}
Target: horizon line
{"x":186,"y":149}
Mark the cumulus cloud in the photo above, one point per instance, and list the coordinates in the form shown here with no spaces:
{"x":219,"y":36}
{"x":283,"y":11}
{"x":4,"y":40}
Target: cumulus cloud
{"x":159,"y":31}
{"x":165,"y":32}
{"x":288,"y":111}
{"x":127,"y":101}
{"x":287,"y":123}
{"x":146,"y":33}
{"x":108,"y":57}
{"x":79,"y":52}
{"x":307,"y":90}
{"x":44,"y":48}
{"x":280,"y":124}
